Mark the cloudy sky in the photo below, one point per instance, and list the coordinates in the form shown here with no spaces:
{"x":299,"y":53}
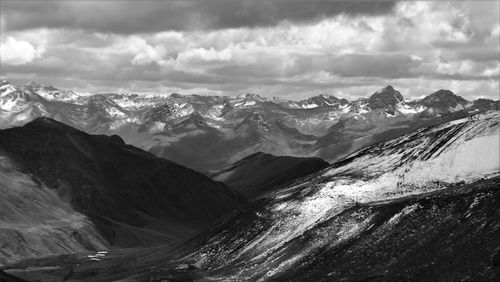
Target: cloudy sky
{"x":286,"y":48}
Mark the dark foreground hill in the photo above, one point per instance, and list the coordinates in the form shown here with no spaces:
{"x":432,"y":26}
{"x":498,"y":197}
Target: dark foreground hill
{"x":258,"y":173}
{"x":133,"y":197}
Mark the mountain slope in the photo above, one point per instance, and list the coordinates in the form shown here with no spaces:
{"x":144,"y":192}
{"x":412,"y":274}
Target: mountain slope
{"x":444,"y":101}
{"x":422,"y":206}
{"x":258,"y":173}
{"x":35,"y":221}
{"x":133,"y":197}
{"x":317,"y":221}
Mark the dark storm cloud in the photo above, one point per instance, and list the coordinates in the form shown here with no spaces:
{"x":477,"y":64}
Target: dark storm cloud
{"x":127,"y":17}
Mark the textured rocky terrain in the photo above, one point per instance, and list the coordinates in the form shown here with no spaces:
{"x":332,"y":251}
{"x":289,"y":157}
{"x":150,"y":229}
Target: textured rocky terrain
{"x":423,"y":206}
{"x":209,"y":133}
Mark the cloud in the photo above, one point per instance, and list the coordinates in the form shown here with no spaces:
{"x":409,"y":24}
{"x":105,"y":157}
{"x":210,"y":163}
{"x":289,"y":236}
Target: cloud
{"x":18,"y":52}
{"x":380,"y":65}
{"x":350,"y":49}
{"x":128,"y":17}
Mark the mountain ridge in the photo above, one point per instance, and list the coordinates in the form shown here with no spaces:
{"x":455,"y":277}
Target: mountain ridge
{"x":133,"y":197}
{"x":207,"y":133}
{"x":274,"y":172}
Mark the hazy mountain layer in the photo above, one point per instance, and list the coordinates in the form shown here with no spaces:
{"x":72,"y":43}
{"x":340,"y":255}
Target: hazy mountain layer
{"x":209,"y":133}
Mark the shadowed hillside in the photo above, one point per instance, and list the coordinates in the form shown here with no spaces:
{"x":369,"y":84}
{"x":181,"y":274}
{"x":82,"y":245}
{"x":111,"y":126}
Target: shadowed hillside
{"x":133,"y":197}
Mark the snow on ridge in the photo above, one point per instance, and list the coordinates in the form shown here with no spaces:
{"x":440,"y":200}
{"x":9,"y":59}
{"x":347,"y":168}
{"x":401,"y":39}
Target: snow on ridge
{"x":407,"y":109}
{"x":470,"y":154}
{"x":310,"y":106}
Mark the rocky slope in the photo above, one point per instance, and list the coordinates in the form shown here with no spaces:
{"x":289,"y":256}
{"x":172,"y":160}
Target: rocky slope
{"x":260,"y":173}
{"x":209,"y":133}
{"x":423,"y":206}
{"x":133,"y":197}
{"x":310,"y":227}
{"x":36,"y":221}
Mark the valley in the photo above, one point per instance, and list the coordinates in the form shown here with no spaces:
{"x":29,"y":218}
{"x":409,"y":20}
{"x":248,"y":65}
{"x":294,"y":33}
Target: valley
{"x":427,"y":196}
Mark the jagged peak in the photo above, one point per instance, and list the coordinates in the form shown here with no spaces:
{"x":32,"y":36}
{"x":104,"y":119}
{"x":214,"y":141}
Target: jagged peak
{"x":33,"y":84}
{"x":321,"y":100}
{"x":444,"y":94}
{"x":6,"y":88}
{"x":327,"y":96}
{"x":386,"y":89}
{"x":389,"y":88}
{"x":36,"y":85}
{"x":387,"y":96}
{"x":324,"y":96}
{"x":249,"y":96}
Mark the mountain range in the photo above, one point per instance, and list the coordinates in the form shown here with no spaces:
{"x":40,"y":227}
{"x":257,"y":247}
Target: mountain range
{"x":420,"y":206}
{"x":209,"y":133}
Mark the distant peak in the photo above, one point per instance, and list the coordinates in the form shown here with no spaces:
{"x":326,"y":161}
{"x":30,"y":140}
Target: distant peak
{"x":443,"y":99}
{"x":33,"y":84}
{"x":387,"y":89}
{"x":444,"y":92}
{"x":387,"y":96}
{"x":324,"y":96}
{"x":50,"y":87}
{"x":322,"y":100}
{"x":252,"y":95}
{"x":248,"y":96}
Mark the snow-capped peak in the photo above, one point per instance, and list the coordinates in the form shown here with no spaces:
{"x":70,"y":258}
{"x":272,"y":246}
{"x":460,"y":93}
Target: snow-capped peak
{"x":51,"y":93}
{"x":6,"y":88}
